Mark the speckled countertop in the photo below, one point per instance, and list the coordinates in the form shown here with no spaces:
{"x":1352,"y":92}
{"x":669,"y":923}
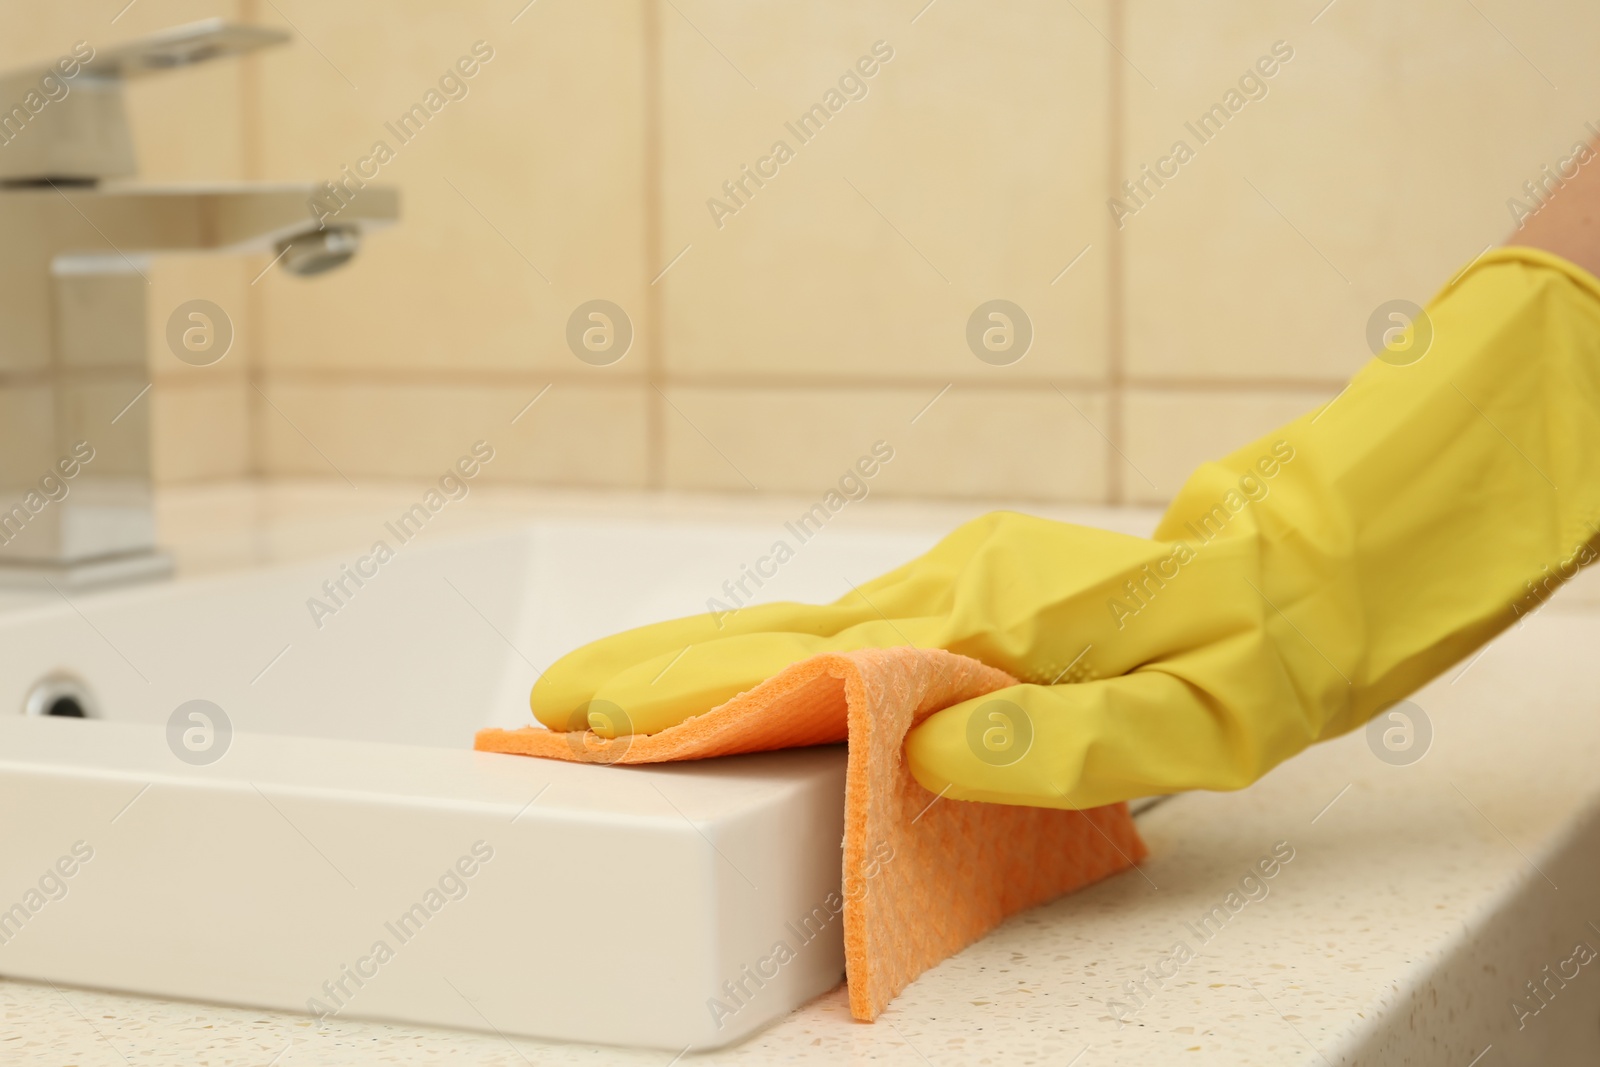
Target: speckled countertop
{"x":1420,"y":900}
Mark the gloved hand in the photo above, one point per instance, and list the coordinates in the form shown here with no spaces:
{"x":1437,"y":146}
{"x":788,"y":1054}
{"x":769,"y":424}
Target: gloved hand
{"x":1292,"y":590}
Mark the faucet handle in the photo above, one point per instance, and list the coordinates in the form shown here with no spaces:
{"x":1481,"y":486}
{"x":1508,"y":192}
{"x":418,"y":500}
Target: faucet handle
{"x":67,"y":121}
{"x":183,"y":46}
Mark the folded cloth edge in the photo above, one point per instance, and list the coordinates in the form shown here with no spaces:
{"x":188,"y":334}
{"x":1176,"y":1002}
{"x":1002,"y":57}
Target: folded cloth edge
{"x":923,"y":876}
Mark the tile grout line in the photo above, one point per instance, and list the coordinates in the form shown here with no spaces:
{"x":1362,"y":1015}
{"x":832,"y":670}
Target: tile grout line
{"x":655,"y":413}
{"x":1117,"y":383}
{"x":488,"y":377}
{"x":1115,"y":368}
{"x":254,"y":303}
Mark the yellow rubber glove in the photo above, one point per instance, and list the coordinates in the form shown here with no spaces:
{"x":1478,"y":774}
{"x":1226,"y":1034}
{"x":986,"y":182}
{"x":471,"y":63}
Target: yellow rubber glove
{"x":1291,"y":592}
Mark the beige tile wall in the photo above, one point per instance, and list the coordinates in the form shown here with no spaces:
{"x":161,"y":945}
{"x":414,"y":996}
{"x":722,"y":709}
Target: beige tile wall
{"x":777,"y":336}
{"x":824,"y":317}
{"x":1379,"y":162}
{"x":521,"y":200}
{"x":832,"y":306}
{"x":186,"y":127}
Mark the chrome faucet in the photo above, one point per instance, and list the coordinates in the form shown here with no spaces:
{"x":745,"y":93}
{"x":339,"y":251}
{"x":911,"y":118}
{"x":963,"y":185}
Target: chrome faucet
{"x":75,"y":472}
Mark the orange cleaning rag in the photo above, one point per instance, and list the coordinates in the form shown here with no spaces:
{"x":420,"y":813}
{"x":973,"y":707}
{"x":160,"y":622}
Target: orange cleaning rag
{"x":923,"y":877}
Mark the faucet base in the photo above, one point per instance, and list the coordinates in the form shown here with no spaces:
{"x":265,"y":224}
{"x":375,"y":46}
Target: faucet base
{"x":94,"y":573}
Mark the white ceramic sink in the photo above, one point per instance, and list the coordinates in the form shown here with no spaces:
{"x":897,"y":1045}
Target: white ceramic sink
{"x":594,"y":904}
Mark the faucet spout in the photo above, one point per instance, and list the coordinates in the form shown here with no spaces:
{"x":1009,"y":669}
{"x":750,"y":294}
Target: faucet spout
{"x":71,"y":125}
{"x":76,"y":494}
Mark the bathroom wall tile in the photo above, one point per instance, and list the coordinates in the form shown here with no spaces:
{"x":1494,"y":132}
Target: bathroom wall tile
{"x":972,"y":169}
{"x":188,"y":123}
{"x":975,"y":168}
{"x":187,"y":127}
{"x":27,"y":433}
{"x":974,"y":442}
{"x":1380,"y":161}
{"x":99,"y":320}
{"x":176,"y":280}
{"x":519,"y":201}
{"x":106,"y":410}
{"x":25,"y":297}
{"x":572,"y":434}
{"x":200,"y":433}
{"x":1170,"y":432}
{"x":199,"y":416}
{"x":1554,"y":42}
{"x":41,"y":32}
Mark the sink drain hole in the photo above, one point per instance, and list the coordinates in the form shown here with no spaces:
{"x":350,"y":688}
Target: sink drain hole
{"x":62,"y":696}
